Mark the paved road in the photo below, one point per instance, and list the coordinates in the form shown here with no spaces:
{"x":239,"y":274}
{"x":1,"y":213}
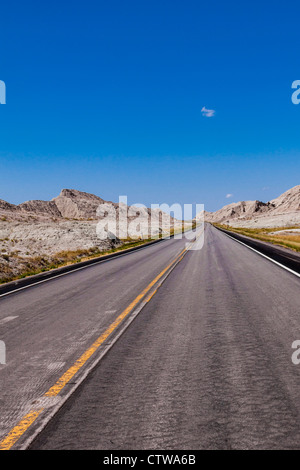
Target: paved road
{"x":48,"y":326}
{"x":205,"y":364}
{"x":282,"y":255}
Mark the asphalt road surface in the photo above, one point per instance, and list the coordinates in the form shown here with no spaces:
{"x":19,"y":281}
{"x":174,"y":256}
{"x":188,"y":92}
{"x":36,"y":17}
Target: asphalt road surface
{"x":206,"y":363}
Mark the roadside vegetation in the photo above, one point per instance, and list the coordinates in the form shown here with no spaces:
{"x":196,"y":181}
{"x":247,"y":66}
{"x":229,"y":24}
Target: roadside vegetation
{"x":287,"y":239}
{"x":30,"y":266}
{"x":13,"y":266}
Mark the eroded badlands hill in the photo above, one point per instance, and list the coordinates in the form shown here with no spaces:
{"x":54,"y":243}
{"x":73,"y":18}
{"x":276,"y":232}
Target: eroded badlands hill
{"x":36,"y":233}
{"x":283,"y":211}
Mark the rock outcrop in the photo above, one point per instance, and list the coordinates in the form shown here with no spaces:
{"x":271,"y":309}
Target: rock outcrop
{"x":73,"y":204}
{"x":73,"y":221}
{"x":283,"y":211}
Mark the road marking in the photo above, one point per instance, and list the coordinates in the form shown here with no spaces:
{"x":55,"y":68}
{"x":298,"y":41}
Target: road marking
{"x":265,"y":256}
{"x":66,"y":377}
{"x":19,"y":429}
{"x":122,"y":253}
{"x":14,"y":435}
{"x":152,"y":293}
{"x":7,"y":319}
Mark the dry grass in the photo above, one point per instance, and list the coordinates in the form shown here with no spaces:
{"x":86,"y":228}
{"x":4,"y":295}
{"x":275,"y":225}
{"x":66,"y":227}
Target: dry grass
{"x":30,"y":266}
{"x":13,"y":266}
{"x":288,"y":240}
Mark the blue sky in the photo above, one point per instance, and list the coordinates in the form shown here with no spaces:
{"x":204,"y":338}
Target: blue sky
{"x":106,"y":97}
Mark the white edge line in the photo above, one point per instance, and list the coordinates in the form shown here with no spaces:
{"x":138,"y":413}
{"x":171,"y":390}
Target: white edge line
{"x":265,"y":256}
{"x":71,"y":271}
{"x":82,"y":267}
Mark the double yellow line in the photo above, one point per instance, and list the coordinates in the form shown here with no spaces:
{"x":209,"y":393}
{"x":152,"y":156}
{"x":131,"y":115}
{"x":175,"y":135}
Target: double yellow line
{"x":14,"y":435}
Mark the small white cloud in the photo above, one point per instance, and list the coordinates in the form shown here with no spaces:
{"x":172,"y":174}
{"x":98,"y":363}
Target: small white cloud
{"x":207,"y":112}
{"x":228,"y":195}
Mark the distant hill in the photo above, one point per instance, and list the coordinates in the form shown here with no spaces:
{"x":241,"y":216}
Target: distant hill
{"x":283,"y":211}
{"x":37,"y":234}
{"x":74,"y":205}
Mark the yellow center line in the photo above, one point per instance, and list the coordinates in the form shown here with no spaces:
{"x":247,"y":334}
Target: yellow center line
{"x":66,"y":377}
{"x":151,"y":295}
{"x":19,"y":429}
{"x":27,"y":420}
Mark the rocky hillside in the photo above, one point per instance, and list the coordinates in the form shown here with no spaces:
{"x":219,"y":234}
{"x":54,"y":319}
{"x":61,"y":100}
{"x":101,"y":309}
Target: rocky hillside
{"x":70,"y":204}
{"x":34,"y":233}
{"x":78,"y":205}
{"x":283,"y":211}
{"x":73,"y":204}
{"x":288,"y":202}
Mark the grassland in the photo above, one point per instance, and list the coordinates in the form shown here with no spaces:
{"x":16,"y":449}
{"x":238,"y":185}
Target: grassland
{"x":287,"y":239}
